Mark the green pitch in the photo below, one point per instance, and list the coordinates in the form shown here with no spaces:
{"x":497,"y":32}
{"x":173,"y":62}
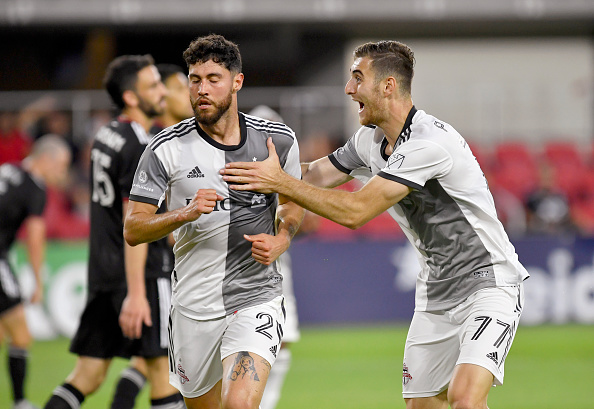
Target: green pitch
{"x":361,"y":368}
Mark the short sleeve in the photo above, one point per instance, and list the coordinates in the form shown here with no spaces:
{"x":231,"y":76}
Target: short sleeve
{"x":130,"y":156}
{"x":150,"y":180}
{"x":346,"y":158}
{"x":292,"y":164}
{"x":37,"y":201}
{"x":415,"y":162}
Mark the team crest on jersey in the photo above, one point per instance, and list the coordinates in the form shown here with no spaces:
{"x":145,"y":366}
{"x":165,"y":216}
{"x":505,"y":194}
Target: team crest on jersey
{"x":182,"y":374}
{"x":406,"y":377}
{"x":395,"y":161}
{"x":258,"y":200}
{"x":142,"y":177}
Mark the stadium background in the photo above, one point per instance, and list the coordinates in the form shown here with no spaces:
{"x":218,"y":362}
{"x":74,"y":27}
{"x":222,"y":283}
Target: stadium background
{"x":515,"y":77}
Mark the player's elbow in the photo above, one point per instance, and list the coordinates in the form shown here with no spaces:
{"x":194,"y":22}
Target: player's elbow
{"x":354,"y":220}
{"x":131,"y":235}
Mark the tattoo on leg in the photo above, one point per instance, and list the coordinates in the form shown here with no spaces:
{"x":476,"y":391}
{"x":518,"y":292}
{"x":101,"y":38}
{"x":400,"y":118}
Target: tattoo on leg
{"x":244,"y":365}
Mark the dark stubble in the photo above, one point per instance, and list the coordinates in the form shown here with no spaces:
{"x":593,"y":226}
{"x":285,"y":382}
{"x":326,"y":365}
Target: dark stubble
{"x":150,"y":110}
{"x":207,"y":119}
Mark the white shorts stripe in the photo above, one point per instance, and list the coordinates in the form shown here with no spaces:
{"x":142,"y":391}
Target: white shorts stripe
{"x":164,"y":291}
{"x":8,"y":281}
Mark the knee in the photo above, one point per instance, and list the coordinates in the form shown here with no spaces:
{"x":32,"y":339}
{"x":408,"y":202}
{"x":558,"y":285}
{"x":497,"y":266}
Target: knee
{"x":465,"y":401}
{"x":87,"y":378}
{"x":240,"y":403}
{"x":21,"y":339}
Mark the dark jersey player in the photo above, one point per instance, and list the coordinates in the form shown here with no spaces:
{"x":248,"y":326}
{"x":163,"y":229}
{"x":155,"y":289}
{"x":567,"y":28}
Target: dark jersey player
{"x":22,"y":200}
{"x":128,"y":301}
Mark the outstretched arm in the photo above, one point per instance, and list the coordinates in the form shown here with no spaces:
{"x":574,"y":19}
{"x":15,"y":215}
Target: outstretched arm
{"x":348,"y":209}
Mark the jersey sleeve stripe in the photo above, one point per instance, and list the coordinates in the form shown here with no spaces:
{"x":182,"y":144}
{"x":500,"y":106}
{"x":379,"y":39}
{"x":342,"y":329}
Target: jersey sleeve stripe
{"x":269,"y":127}
{"x":400,"y":180}
{"x":144,"y":199}
{"x":337,"y":165}
{"x":170,"y":134}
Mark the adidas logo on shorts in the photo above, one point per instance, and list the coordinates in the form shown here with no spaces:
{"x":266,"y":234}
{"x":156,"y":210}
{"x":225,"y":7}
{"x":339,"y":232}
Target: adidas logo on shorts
{"x":195,"y":173}
{"x":493,"y":356}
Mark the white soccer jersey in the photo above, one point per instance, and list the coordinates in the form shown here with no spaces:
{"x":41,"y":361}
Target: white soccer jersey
{"x":215,"y":274}
{"x":450,"y":215}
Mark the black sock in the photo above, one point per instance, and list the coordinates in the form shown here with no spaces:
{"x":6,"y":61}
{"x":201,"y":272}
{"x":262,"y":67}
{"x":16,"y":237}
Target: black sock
{"x":128,"y":387}
{"x":65,"y":396}
{"x":17,"y":364}
{"x":175,"y":401}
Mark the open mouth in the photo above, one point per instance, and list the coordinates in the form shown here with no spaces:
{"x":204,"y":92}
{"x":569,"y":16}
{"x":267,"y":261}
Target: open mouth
{"x":361,"y":106}
{"x":204,"y":104}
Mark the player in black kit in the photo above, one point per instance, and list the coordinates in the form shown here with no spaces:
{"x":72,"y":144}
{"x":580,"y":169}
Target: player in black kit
{"x":22,"y":200}
{"x":129,"y":291}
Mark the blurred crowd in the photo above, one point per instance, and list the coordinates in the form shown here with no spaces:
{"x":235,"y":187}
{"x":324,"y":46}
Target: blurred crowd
{"x":544,"y":190}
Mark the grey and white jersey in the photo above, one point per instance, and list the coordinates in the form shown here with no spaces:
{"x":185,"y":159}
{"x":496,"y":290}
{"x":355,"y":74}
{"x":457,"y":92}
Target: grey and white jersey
{"x":215,"y":274}
{"x":450,"y":215}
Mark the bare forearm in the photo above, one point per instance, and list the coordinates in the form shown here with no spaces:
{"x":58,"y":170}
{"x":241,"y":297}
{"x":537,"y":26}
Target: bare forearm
{"x":337,"y":205}
{"x":36,"y":245}
{"x":289,"y":218}
{"x":145,"y":228}
{"x":36,"y":253}
{"x":135,"y":261}
{"x":144,"y":225}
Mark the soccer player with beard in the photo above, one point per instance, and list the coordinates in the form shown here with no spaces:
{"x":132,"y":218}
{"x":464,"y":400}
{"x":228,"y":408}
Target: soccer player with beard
{"x":177,"y":108}
{"x":129,"y":290}
{"x":227,"y":315}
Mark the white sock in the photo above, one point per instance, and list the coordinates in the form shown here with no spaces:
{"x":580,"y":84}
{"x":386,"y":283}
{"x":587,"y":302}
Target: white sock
{"x":279,"y":370}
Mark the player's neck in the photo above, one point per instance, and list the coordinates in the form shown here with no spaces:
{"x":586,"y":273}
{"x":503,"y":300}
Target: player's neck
{"x":167,"y":120}
{"x":138,"y":116}
{"x":33,"y":168}
{"x":226,"y":130}
{"x":394,"y":122}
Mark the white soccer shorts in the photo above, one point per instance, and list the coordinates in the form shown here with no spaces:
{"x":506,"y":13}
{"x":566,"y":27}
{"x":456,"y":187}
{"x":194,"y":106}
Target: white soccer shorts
{"x":197,"y":348}
{"x":479,"y":331}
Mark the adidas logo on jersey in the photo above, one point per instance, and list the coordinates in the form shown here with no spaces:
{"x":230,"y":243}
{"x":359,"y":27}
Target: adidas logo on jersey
{"x":493,"y":357}
{"x":273,"y":349}
{"x":195,"y":173}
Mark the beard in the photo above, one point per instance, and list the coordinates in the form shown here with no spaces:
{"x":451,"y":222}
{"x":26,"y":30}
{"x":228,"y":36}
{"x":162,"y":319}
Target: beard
{"x":209,"y":119}
{"x":151,"y":110}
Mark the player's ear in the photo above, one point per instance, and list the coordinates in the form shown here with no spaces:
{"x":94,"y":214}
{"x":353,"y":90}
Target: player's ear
{"x":237,"y":82}
{"x":130,"y":98}
{"x":390,"y":86}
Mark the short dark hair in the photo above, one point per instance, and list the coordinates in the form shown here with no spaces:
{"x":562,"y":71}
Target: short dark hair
{"x":122,"y":74}
{"x":390,"y":58}
{"x":216,"y":48}
{"x":167,"y":70}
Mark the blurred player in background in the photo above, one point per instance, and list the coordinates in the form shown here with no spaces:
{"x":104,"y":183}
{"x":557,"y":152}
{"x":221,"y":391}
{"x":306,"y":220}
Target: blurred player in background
{"x":469,"y":293}
{"x":177,"y":108}
{"x":129,"y":288}
{"x":177,"y":102}
{"x":22,"y":200}
{"x":227,"y":307}
{"x":276,"y":378}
